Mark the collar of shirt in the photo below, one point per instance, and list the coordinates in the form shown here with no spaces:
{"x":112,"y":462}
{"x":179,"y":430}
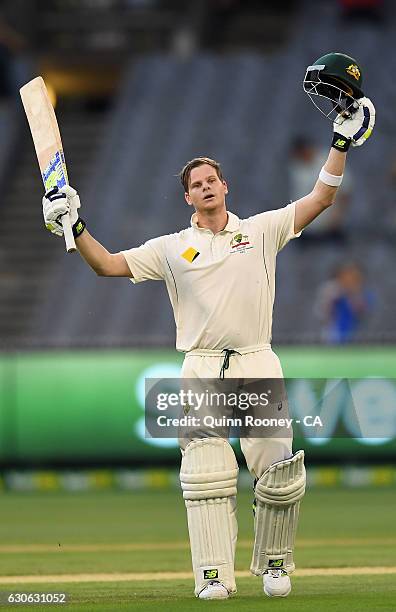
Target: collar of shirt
{"x":232,"y":223}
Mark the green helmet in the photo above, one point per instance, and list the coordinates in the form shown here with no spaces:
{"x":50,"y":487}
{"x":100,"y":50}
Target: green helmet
{"x":337,"y":78}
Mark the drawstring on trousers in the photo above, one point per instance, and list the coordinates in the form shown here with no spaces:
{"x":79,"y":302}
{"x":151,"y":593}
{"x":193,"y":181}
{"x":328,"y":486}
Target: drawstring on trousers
{"x":226,"y":361}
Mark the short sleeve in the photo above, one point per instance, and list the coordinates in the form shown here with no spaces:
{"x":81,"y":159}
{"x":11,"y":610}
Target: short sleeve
{"x":146,"y":262}
{"x":278,"y":225}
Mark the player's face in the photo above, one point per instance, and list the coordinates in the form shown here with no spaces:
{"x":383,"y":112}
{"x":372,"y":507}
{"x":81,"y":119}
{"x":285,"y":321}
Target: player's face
{"x":206,"y":191}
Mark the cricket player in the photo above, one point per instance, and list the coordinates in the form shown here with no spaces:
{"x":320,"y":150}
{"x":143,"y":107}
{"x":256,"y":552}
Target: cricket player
{"x":220,"y":276}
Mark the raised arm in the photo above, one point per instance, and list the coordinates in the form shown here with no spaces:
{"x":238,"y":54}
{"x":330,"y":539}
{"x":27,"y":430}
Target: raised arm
{"x":58,"y":202}
{"x":323,"y":195}
{"x":99,"y":258}
{"x":353,"y":130}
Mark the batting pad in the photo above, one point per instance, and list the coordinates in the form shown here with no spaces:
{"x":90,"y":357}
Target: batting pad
{"x":208,"y":477}
{"x":278,"y":493}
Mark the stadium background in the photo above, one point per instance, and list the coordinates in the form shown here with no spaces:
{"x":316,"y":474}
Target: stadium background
{"x":141,"y":86}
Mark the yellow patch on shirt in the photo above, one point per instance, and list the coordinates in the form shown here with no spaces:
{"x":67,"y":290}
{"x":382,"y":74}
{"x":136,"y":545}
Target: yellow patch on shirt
{"x":190,"y":254}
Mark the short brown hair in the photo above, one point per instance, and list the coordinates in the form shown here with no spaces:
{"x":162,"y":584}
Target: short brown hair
{"x":195,"y":163}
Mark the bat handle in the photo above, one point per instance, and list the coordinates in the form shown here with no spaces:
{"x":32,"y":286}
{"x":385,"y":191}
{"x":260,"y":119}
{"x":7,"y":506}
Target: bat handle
{"x":68,"y":234}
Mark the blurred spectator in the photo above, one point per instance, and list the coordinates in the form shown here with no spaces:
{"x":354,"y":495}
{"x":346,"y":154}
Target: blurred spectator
{"x":362,"y":10}
{"x":342,"y":304}
{"x":188,"y":30}
{"x":388,"y":225}
{"x":305,"y":163}
{"x":11,"y":44}
{"x":219,"y":14}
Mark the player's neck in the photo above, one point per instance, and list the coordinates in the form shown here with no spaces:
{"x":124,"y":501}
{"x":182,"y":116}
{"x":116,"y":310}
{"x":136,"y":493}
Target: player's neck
{"x":214,"y":220}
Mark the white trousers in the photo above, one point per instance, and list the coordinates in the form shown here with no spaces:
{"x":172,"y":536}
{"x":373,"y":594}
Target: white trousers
{"x":255,"y":362}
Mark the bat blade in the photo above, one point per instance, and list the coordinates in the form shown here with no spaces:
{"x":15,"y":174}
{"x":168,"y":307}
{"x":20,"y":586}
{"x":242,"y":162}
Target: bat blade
{"x":47,"y":143}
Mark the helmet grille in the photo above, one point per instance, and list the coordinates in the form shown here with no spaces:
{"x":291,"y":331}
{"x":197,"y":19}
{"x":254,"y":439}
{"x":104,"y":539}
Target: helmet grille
{"x":330,"y":95}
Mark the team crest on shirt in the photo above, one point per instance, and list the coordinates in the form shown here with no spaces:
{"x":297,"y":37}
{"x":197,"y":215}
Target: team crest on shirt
{"x":240,"y":243}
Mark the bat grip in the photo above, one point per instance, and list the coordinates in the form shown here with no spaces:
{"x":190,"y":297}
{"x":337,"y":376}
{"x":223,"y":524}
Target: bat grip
{"x":68,"y":234}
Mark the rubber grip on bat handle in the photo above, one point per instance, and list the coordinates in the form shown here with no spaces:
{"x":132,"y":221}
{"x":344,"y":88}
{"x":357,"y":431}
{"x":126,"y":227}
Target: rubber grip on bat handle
{"x":68,"y":234}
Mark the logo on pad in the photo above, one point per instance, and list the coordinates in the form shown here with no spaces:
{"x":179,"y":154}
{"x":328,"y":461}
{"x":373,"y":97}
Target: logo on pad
{"x":275,"y":563}
{"x":211,"y":574}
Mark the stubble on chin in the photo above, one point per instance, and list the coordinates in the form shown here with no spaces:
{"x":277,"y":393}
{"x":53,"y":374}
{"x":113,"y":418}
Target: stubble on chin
{"x":210,"y":205}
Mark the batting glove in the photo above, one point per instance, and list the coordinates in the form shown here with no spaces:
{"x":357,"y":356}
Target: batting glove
{"x":354,"y":129}
{"x":58,"y":202}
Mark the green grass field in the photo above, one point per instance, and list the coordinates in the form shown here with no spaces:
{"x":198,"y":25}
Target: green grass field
{"x":84,"y":544}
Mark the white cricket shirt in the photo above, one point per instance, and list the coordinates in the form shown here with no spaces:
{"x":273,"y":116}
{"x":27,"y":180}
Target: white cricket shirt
{"x":221,"y":286}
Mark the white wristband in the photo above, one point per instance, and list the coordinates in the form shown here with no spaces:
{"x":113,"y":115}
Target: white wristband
{"x":330,"y":179}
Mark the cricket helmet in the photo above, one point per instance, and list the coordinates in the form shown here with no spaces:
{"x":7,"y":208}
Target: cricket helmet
{"x":334,"y":84}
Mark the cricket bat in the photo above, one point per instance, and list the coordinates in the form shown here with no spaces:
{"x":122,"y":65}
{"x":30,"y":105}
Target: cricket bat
{"x":48,"y":144}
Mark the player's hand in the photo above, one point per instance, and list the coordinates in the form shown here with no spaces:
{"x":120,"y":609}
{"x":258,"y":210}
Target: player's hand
{"x":58,"y":202}
{"x":355,"y":129}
